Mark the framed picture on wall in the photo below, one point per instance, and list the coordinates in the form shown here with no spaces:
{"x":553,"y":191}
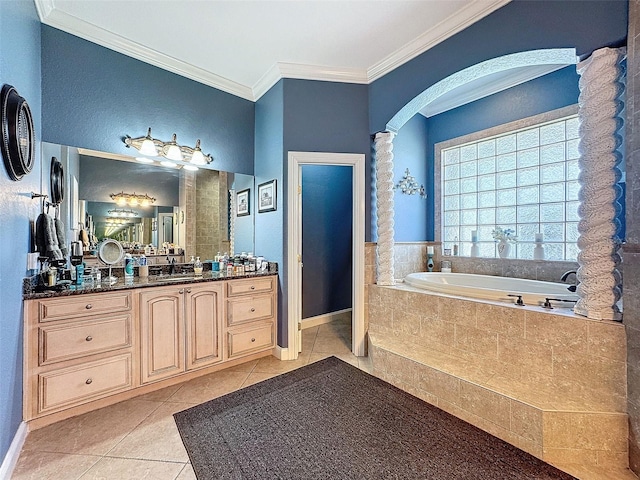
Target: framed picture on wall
{"x":242,"y":203}
{"x":267,"y":201}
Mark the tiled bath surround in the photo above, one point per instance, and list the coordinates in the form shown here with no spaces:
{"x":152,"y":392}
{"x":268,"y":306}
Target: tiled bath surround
{"x":551,"y":384}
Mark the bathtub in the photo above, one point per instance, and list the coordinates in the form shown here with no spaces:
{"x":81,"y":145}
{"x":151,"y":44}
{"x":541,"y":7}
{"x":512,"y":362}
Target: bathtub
{"x":488,"y":287}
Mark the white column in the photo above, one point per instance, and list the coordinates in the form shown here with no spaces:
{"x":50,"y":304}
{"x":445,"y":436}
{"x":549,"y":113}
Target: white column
{"x":599,"y":106}
{"x":384,"y":203}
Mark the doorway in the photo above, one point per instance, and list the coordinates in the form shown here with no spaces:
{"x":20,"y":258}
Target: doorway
{"x":295,"y":253}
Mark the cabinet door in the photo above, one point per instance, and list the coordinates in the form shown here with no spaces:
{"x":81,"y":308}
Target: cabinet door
{"x":161,"y":333}
{"x":204,"y":322}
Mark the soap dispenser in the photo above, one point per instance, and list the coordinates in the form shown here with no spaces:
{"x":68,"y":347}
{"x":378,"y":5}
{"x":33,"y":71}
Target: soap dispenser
{"x":197,"y":267}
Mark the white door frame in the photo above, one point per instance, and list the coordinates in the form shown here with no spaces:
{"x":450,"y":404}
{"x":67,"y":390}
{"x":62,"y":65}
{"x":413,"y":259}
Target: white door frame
{"x":294,"y":245}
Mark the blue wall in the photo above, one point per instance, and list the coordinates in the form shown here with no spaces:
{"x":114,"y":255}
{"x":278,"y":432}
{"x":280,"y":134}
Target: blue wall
{"x":327,"y":238}
{"x":516,"y":27}
{"x":411,"y":211}
{"x":307,"y":116}
{"x":328,"y":117}
{"x":270,"y":230}
{"x":20,"y":67}
{"x":93,"y":97}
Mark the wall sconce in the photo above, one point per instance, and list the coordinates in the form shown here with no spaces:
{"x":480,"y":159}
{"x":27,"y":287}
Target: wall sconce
{"x":153,"y":147}
{"x":132,"y":199}
{"x":409,"y":186}
{"x":122,"y":213}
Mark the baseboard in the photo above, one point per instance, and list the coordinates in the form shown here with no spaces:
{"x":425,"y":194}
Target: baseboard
{"x":281,"y":353}
{"x":11,"y":458}
{"x":322,"y":319}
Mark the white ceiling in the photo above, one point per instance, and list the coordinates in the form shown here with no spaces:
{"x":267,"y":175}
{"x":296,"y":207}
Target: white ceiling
{"x":245,"y":47}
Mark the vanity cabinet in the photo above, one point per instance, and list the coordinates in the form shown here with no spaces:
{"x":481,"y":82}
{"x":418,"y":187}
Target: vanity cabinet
{"x":87,"y":351}
{"x":180,"y":329}
{"x":251,"y":316}
{"x":77,"y":349}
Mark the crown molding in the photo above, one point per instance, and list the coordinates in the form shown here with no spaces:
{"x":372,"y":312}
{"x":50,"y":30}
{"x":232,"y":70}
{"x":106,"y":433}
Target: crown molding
{"x":455,"y":23}
{"x":281,"y":70}
{"x":68,"y":23}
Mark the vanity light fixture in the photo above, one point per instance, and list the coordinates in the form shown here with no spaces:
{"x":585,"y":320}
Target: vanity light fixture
{"x":409,"y":186}
{"x":132,"y":199}
{"x":153,"y":147}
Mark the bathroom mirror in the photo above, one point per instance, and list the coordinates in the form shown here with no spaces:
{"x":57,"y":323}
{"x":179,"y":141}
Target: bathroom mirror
{"x":191,"y":209}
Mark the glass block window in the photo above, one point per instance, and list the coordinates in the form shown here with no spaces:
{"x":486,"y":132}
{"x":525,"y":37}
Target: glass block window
{"x":525,"y":180}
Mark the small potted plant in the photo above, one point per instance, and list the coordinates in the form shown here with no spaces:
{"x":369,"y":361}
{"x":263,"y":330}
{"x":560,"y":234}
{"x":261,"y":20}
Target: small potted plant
{"x":505,"y":237}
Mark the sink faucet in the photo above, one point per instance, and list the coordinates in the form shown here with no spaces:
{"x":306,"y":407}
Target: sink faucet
{"x":565,"y":275}
{"x":172,"y":265}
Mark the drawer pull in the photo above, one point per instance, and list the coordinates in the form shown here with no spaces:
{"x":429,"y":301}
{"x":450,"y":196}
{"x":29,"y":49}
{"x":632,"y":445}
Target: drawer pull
{"x":88,"y":306}
{"x":188,"y":290}
{"x":253,"y":287}
{"x":89,"y":381}
{"x":253,"y":339}
{"x":253,"y":309}
{"x":89,"y":338}
{"x":181,"y":291}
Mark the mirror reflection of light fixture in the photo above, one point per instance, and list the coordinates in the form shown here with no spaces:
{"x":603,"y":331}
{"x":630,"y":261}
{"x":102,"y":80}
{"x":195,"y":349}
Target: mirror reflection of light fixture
{"x":122,"y":213}
{"x":409,"y":186}
{"x":153,"y":147}
{"x":132,"y":199}
{"x":144,"y":160}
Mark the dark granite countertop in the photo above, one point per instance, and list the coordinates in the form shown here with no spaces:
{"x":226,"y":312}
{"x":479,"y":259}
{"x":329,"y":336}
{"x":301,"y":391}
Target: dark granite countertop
{"x":30,"y":293}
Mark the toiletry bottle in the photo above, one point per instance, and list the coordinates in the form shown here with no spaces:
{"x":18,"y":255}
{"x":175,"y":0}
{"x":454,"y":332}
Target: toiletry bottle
{"x":128,"y":267}
{"x":197,"y":267}
{"x":52,"y":276}
{"x":80,"y":274}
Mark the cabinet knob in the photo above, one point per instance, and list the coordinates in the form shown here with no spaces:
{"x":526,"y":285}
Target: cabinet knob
{"x":89,"y":381}
{"x":181,"y":291}
{"x":253,"y":287}
{"x":253,"y":309}
{"x":188,"y":290}
{"x":253,"y":339}
{"x":89,"y":338}
{"x":88,"y":306}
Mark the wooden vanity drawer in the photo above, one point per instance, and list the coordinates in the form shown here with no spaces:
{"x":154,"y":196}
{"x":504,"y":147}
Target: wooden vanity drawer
{"x":247,"y":309}
{"x":89,"y":381}
{"x":72,"y":340}
{"x":249,"y":340}
{"x":250,"y":285}
{"x":78,"y":305}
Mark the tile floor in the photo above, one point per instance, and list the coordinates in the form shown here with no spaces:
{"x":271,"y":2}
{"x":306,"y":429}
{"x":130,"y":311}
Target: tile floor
{"x":138,"y":439}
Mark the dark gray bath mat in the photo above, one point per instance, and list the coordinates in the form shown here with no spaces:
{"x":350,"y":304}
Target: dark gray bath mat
{"x":329,"y":420}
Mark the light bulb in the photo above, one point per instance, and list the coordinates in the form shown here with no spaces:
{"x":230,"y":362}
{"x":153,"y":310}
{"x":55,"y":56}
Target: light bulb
{"x":197,"y":158}
{"x":191,"y":168}
{"x":171,"y":150}
{"x":121,"y":201}
{"x":144,"y":160}
{"x":145,"y":202}
{"x":148,"y":147}
{"x":166,"y":163}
